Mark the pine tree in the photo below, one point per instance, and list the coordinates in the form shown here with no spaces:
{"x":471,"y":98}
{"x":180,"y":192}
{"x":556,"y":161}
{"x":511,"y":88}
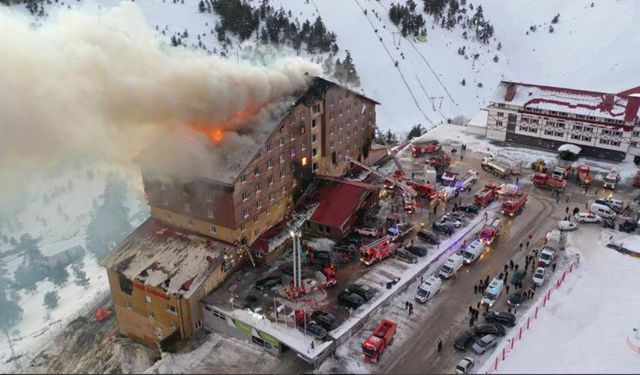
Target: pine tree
{"x":80,"y":276}
{"x":555,"y":19}
{"x":201,"y":7}
{"x":33,"y":267}
{"x":416,"y":131}
{"x":51,"y":300}
{"x":351,"y":75}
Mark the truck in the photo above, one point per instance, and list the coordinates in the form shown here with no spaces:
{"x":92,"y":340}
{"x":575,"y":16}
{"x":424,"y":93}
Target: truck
{"x":408,"y":202}
{"x":377,"y":250}
{"x":491,"y":231}
{"x":514,"y":206}
{"x":611,"y":179}
{"x":492,"y":292}
{"x":380,"y":338}
{"x":562,"y":171}
{"x":508,"y":190}
{"x":428,"y":147}
{"x":545,"y":181}
{"x":430,"y":174}
{"x":451,"y":266}
{"x":449,"y":178}
{"x":467,"y":180}
{"x":514,"y":165}
{"x":485,"y":196}
{"x":539,"y":166}
{"x":400,"y":230}
{"x":428,"y":289}
{"x":424,"y":189}
{"x":585,"y":177}
{"x":473,"y":251}
{"x":440,"y":161}
{"x":496,"y":167}
{"x":636,"y":179}
{"x":447,"y":193}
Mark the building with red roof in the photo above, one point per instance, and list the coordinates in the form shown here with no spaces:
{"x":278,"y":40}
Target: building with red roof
{"x":603,"y":125}
{"x":340,"y":202}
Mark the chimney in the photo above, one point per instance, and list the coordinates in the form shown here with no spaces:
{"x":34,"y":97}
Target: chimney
{"x":511,"y":92}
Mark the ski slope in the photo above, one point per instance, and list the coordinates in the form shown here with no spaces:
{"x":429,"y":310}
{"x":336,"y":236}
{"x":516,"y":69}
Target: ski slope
{"x":585,"y":326}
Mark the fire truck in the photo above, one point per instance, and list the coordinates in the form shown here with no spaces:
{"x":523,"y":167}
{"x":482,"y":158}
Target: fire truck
{"x":545,"y":181}
{"x":449,"y":178}
{"x":514,"y":206}
{"x":380,"y":338}
{"x":562,"y":171}
{"x":584,"y":175}
{"x":426,"y":189}
{"x":490,"y":231}
{"x":440,"y":161}
{"x":467,"y":180}
{"x":377,"y":250}
{"x":496,"y":167}
{"x":485,"y":196}
{"x":419,"y":149}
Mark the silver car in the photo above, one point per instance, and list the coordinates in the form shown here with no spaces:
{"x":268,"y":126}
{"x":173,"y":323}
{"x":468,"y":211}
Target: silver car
{"x":484,"y":343}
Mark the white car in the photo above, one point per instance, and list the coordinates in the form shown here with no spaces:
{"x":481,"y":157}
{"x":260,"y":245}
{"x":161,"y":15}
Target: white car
{"x":367,"y":232}
{"x":453,"y":220}
{"x":538,"y":276}
{"x":465,"y":365}
{"x":566,"y":226}
{"x":587,"y":217}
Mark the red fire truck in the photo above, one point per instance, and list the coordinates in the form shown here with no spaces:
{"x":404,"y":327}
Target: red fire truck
{"x":380,"y":338}
{"x":636,"y":179}
{"x":490,"y":231}
{"x":584,"y":175}
{"x":485,"y":196}
{"x":377,"y":250}
{"x":514,"y":206}
{"x":544,"y":181}
{"x":425,"y":148}
{"x":424,"y":189}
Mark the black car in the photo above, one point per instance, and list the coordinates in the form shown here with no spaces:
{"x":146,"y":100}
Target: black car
{"x":314,"y":329}
{"x":428,"y":237}
{"x":326,"y":320}
{"x":503,"y":317}
{"x":518,"y":276}
{"x":406,"y":256}
{"x":464,"y":340}
{"x":443,"y":227}
{"x":418,"y":251}
{"x":345,"y":248}
{"x":489,"y":329}
{"x":268,"y":282}
{"x":627,"y":226}
{"x":350,"y":299}
{"x":609,"y":223}
{"x":469,"y":208}
{"x":516,"y":298}
{"x":364,"y":291}
{"x":351,"y":240}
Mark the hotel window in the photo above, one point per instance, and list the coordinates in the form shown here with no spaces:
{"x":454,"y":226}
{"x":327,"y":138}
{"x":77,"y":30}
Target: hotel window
{"x":303,"y":129}
{"x":210,"y":213}
{"x":577,"y":127}
{"x":164,"y":200}
{"x":255,"y":219}
{"x":603,"y":141}
{"x":190,"y":222}
{"x":151,"y":315}
{"x":575,"y":136}
{"x":634,"y":144}
{"x":500,"y":114}
{"x":187,"y":207}
{"x":171,"y":309}
{"x":498,"y":123}
{"x":245,"y":195}
{"x":259,"y":205}
{"x":245,"y":213}
{"x":559,"y":134}
{"x":148,"y":299}
{"x":588,"y":129}
{"x":272,"y":196}
{"x":314,"y":152}
{"x":256,"y":171}
{"x":243,"y":178}
{"x":174,"y":324}
{"x":293,"y":151}
{"x":586,"y":139}
{"x":313,"y":123}
{"x":243,"y":228}
{"x":615,"y":143}
{"x":315,"y":108}
{"x":270,"y":180}
{"x":269,"y":164}
{"x":282,"y":173}
{"x":282,"y":158}
{"x":208,"y":197}
{"x":280,"y":141}
{"x":636,"y":133}
{"x":268,"y":146}
{"x":258,"y":189}
{"x":331,"y":116}
{"x":212,"y":228}
{"x":163,"y":186}
{"x":314,"y":138}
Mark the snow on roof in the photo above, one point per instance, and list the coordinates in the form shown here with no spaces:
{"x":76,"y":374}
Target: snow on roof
{"x":338,"y":201}
{"x":570,"y":148}
{"x":165,"y":257}
{"x":479,"y":120}
{"x":582,"y":102}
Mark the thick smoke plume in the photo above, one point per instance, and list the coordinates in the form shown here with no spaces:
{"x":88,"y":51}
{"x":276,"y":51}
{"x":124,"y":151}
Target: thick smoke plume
{"x":95,"y":82}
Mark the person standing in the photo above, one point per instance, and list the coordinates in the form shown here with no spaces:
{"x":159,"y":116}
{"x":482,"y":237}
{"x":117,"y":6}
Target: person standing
{"x":527,"y":245}
{"x":507,"y":288}
{"x":516,"y":267}
{"x":511,"y":264}
{"x":439,"y":345}
{"x":475,"y":289}
{"x":506,"y":266}
{"x":520,"y":246}
{"x":553,"y":267}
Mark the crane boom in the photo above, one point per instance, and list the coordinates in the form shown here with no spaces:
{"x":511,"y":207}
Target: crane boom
{"x":393,"y":156}
{"x":406,"y":188}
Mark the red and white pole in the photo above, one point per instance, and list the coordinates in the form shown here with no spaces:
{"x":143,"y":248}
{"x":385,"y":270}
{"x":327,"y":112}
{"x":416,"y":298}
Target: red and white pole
{"x":520,"y":335}
{"x":528,"y":321}
{"x":504,"y":353}
{"x":536,"y":314}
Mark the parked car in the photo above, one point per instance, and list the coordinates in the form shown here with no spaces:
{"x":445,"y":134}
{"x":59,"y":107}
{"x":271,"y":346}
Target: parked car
{"x":452,"y":219}
{"x":351,"y":240}
{"x":518,"y":276}
{"x":609,"y":223}
{"x":326,"y":320}
{"x":268,"y":282}
{"x":464,"y":340}
{"x":469,"y":208}
{"x":465,"y":365}
{"x":406,"y":256}
{"x":314,"y":329}
{"x":516,"y":298}
{"x":489,"y":329}
{"x":614,"y":204}
{"x":348,"y":249}
{"x":444,"y":227}
{"x":503,"y":317}
{"x":628,"y":226}
{"x":484,"y":343}
{"x":428,"y":237}
{"x":418,"y":251}
{"x":566,"y":226}
{"x":367,"y":231}
{"x":538,"y":276}
{"x":587,"y":217}
{"x":350,"y":299}
{"x":364,"y":291}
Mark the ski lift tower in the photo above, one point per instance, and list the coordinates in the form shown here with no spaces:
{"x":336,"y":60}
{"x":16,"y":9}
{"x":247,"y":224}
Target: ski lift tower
{"x":297,"y":287}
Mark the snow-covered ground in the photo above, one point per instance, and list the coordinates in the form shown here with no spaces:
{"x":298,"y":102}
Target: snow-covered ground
{"x":585,"y":325}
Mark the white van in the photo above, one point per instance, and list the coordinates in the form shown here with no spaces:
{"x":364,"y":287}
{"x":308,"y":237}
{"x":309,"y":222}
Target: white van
{"x":492,"y":292}
{"x":428,"y":289}
{"x":554,"y":235}
{"x":602,"y":211}
{"x":451,"y":266}
{"x":473,"y":251}
{"x":546,"y":256}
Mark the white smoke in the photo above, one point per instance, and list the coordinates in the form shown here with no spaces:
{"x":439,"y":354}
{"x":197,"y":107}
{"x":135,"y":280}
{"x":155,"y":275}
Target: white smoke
{"x":93,"y":83}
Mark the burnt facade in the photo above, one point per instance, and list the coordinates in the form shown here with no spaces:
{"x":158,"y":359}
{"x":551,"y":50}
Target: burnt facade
{"x":327,"y":124}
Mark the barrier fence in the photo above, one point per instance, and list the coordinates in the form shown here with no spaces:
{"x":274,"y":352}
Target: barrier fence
{"x":501,"y":352}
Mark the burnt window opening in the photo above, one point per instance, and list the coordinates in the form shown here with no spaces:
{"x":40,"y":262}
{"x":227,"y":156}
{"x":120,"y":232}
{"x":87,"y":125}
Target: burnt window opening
{"x":126,"y":286}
